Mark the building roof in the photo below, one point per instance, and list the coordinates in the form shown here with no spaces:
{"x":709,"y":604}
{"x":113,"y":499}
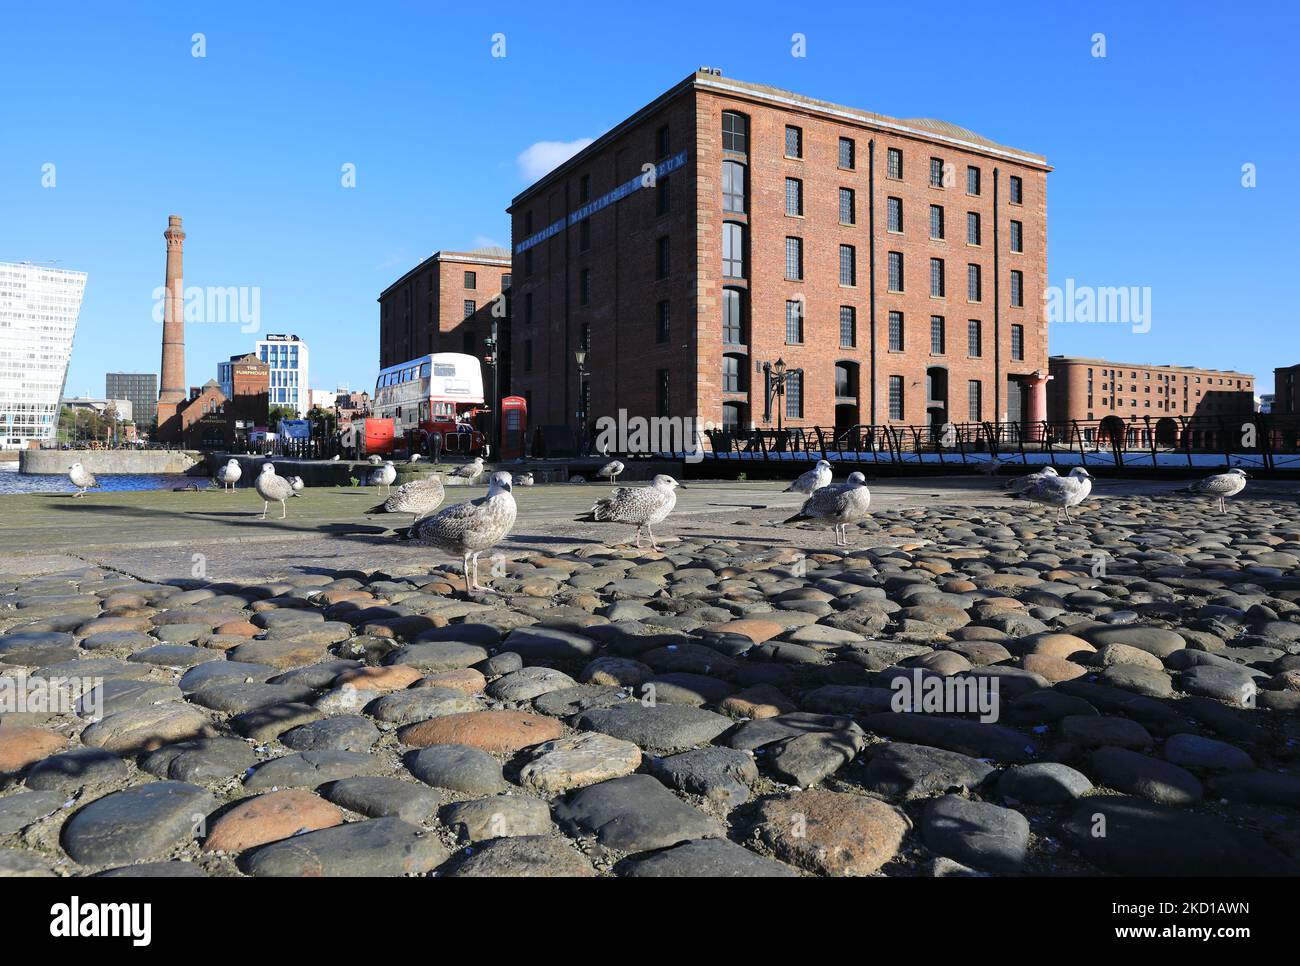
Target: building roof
{"x":1075,"y":360}
{"x":704,"y":79}
{"x":487,"y":255}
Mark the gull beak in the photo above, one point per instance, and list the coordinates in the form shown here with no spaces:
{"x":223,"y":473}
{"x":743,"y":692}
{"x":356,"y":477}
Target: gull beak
{"x":682,"y":486}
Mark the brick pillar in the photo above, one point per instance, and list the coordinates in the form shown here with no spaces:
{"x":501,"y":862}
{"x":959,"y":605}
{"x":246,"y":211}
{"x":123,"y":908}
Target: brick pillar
{"x":1036,"y":407}
{"x":171,"y":391}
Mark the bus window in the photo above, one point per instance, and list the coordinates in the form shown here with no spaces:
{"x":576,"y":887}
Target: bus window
{"x":444,"y":371}
{"x":424,"y":370}
{"x":424,"y":412}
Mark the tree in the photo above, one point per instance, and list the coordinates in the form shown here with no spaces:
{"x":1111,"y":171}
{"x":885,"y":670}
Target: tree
{"x":276,"y":413}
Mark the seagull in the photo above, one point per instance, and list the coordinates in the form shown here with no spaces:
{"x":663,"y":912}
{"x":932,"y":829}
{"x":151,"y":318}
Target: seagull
{"x":334,"y":458}
{"x":82,"y":478}
{"x":611,"y":470}
{"x":376,"y":460}
{"x":523,"y":479}
{"x":991,"y":467}
{"x":814,"y":479}
{"x":419,"y":497}
{"x":470,"y":471}
{"x":1021,"y":483}
{"x":642,"y":506}
{"x":271,"y":487}
{"x":1220,"y":485}
{"x":297,"y":484}
{"x":577,"y":478}
{"x":470,"y":528}
{"x":415,"y":458}
{"x":1061,"y":492}
{"x":229,"y":474}
{"x":384,"y":476}
{"x":838,"y":505}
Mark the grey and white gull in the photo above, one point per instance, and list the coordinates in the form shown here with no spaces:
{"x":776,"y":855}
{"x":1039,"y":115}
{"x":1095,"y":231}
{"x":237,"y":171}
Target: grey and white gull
{"x":229,"y":474}
{"x":1022,"y":483}
{"x":1220,"y":486}
{"x":817,"y":477}
{"x":638,"y":506}
{"x":273,"y":488}
{"x":1060,"y":492}
{"x":470,"y":528}
{"x":470,"y":471}
{"x":419,"y":497}
{"x":611,"y":470}
{"x":296,"y":483}
{"x":837,"y":505}
{"x":81,"y":478}
{"x":523,"y":479}
{"x":384,"y":475}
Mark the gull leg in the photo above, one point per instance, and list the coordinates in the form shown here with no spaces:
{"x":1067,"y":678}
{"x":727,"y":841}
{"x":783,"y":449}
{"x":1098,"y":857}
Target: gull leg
{"x":650,"y":530}
{"x":464,"y":566}
{"x":482,"y":588}
{"x":266,"y":505}
{"x":638,"y":538}
{"x":284,"y":509}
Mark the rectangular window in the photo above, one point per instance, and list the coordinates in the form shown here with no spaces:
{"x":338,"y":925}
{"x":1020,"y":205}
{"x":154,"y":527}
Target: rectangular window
{"x":972,"y":180}
{"x":848,"y":265}
{"x":972,"y":228}
{"x":974,"y":284}
{"x":661,"y":142}
{"x":663,"y":195}
{"x":936,"y":172}
{"x":895,"y":207}
{"x":894,"y":164}
{"x":794,"y":322}
{"x":896,"y":397}
{"x":975,"y":400}
{"x":733,"y":249}
{"x":848,"y":154}
{"x":794,"y":395}
{"x":1015,"y":188}
{"x":470,"y":307}
{"x":584,"y":188}
{"x":733,"y":186}
{"x":505,"y":283}
{"x":793,"y":196}
{"x":584,"y":234}
{"x":528,"y":355}
{"x":974,"y":338}
{"x":848,"y":214}
{"x":528,"y":262}
{"x":937,"y":335}
{"x":936,"y":221}
{"x":735,"y":132}
{"x":528,"y":308}
{"x":731,"y":374}
{"x":471,"y":280}
{"x":848,"y":327}
{"x":662,"y":258}
{"x":584,"y":287}
{"x":1017,"y":288}
{"x":661,"y":329}
{"x":1017,"y":237}
{"x":793,"y":141}
{"x":895,"y":331}
{"x":733,"y":325}
{"x":794,"y":259}
{"x":896,"y":271}
{"x":936,"y":278}
{"x":663,"y":400}
{"x":1018,"y":342}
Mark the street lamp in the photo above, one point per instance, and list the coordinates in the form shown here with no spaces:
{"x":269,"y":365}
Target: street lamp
{"x":777,"y":374}
{"x":581,"y":357}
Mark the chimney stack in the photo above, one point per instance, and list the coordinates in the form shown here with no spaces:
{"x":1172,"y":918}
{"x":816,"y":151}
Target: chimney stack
{"x":172,"y":393}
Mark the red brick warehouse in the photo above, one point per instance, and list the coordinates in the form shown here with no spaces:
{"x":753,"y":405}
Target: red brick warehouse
{"x":901,"y":264}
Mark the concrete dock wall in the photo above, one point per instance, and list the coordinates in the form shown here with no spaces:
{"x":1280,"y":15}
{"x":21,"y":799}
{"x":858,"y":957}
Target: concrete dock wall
{"x":57,"y":462}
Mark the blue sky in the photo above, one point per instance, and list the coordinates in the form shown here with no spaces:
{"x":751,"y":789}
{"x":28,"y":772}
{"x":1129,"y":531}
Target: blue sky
{"x":248,"y":142}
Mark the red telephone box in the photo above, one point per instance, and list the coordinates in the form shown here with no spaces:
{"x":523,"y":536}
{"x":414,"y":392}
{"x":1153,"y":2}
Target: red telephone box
{"x":514,"y":427}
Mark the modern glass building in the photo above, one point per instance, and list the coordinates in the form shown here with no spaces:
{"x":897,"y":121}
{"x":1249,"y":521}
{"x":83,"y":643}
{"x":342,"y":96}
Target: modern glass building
{"x":141,"y":388}
{"x":287,"y":357}
{"x":39,"y":307}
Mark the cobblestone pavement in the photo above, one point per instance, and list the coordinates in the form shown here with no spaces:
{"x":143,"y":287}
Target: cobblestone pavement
{"x":1117,"y":695}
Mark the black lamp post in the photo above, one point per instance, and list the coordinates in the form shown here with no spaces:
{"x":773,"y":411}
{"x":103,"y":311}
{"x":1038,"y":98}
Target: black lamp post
{"x":776,"y":374}
{"x":581,"y":356}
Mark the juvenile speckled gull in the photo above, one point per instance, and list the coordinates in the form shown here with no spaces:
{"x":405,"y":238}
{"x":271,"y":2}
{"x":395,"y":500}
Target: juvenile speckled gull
{"x":639,"y":506}
{"x":384,"y":476}
{"x":271,"y":487}
{"x":1220,"y":486}
{"x":229,"y":474}
{"x":1060,"y":492}
{"x":82,"y":478}
{"x":837,"y":505}
{"x":419,"y":497}
{"x":814,"y":479}
{"x":470,"y":471}
{"x":1022,"y":483}
{"x":470,"y":528}
{"x":611,"y":470}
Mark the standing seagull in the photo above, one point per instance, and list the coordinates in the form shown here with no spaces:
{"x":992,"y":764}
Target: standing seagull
{"x":271,"y":487}
{"x":470,"y":471}
{"x":418,"y":498}
{"x":611,"y":470}
{"x":297,"y":484}
{"x":641,"y":506}
{"x":470,"y":528}
{"x":82,"y":478}
{"x":814,"y":479}
{"x":229,"y":474}
{"x":838,"y":506}
{"x":384,"y":476}
{"x":1022,"y":483}
{"x":1220,"y":485}
{"x":1061,"y":492}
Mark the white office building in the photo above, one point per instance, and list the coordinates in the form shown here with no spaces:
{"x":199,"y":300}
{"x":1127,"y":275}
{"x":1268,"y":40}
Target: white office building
{"x":39,"y":306}
{"x":287,"y":357}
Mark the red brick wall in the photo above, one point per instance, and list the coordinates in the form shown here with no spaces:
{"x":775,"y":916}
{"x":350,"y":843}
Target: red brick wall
{"x":424,"y":311}
{"x":1210,"y":392}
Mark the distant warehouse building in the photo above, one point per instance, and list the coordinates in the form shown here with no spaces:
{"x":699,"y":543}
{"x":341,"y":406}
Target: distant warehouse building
{"x":1286,"y":391}
{"x":1138,"y":401}
{"x":141,"y":388}
{"x":896,"y":266}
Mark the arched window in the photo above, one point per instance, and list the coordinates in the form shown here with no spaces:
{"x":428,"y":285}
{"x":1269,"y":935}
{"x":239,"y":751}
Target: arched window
{"x":735,"y":132}
{"x":846,"y":379}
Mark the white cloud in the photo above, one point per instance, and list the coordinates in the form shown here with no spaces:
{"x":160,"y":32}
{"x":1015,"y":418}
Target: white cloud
{"x":545,"y":156}
{"x":484,"y":241}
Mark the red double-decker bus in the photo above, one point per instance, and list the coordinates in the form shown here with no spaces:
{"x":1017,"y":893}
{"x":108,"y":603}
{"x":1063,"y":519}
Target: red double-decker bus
{"x":438,"y":393}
